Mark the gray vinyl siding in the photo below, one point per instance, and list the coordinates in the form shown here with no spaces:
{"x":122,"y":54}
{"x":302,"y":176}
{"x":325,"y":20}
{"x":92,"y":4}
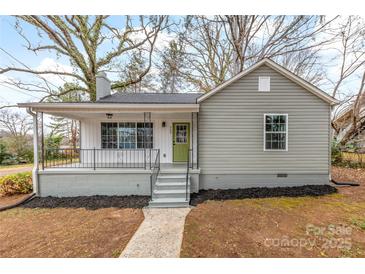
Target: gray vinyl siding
{"x":231,"y":125}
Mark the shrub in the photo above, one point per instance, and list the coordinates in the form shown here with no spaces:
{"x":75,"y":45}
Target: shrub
{"x":15,"y":150}
{"x":19,"y":183}
{"x":3,"y":152}
{"x":10,"y":160}
{"x":336,"y":153}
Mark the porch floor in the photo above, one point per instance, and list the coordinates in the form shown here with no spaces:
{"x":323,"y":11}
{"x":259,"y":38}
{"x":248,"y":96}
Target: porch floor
{"x":115,"y":168}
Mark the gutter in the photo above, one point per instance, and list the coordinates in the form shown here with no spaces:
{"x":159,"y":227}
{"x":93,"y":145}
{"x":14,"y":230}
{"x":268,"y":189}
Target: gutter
{"x":35,"y":178}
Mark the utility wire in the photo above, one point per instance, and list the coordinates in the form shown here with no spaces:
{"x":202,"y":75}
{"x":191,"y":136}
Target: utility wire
{"x":11,"y":56}
{"x":20,"y":91}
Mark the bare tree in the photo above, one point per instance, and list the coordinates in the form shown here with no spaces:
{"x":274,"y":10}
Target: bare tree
{"x":351,"y":123}
{"x":349,"y":117}
{"x":350,"y":49}
{"x":172,"y":64}
{"x":256,"y":37}
{"x":208,"y":53}
{"x":133,"y":70}
{"x":15,"y":123}
{"x":306,"y":63}
{"x":67,"y":128}
{"x":221,"y":46}
{"x":79,"y":38}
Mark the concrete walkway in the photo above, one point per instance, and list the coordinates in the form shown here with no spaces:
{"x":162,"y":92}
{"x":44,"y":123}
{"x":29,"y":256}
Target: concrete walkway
{"x":160,"y":234}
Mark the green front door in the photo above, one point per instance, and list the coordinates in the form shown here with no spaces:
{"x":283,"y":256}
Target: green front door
{"x":181,"y":141}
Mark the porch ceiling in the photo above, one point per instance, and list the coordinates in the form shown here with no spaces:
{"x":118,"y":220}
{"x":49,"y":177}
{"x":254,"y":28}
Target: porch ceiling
{"x":89,"y":110}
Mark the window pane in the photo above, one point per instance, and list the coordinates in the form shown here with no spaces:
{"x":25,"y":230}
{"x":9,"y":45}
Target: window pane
{"x":268,"y":137}
{"x":268,"y":119}
{"x":281,"y":145}
{"x":275,"y":145}
{"x":268,"y":145}
{"x":268,"y":127}
{"x":276,"y":119}
{"x":275,"y":127}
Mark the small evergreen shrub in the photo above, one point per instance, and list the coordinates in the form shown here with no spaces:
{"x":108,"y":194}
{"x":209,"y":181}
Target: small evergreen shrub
{"x":19,"y":183}
{"x":336,"y":153}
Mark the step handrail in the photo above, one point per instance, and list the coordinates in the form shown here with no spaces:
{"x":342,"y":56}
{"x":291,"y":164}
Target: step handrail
{"x":187,"y":174}
{"x":155,"y":171}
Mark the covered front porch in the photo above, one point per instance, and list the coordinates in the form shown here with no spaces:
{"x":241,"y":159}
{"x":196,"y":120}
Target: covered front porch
{"x":128,"y":140}
{"x":120,"y":135}
{"x":123,"y":149}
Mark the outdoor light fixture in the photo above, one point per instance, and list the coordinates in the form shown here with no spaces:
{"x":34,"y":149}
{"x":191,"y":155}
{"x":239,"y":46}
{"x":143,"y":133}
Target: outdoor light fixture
{"x":163,"y":124}
{"x":109,"y":115}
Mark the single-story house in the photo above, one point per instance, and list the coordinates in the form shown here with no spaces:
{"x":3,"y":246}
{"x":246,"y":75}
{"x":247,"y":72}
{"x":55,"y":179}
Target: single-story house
{"x":265,"y":127}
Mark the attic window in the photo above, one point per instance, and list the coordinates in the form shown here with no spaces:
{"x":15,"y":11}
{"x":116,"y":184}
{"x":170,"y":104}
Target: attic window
{"x":264,"y":83}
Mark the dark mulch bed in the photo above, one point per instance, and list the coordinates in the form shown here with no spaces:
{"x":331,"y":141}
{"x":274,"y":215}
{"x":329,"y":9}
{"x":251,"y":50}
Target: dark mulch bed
{"x":89,"y":202}
{"x":261,"y":192}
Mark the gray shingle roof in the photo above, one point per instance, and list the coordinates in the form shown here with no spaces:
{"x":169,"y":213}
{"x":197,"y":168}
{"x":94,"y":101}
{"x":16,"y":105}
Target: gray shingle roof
{"x":151,"y":98}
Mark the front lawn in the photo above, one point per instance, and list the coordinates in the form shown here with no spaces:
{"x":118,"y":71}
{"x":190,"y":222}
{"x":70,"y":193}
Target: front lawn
{"x":324,"y":226}
{"x":60,"y":228}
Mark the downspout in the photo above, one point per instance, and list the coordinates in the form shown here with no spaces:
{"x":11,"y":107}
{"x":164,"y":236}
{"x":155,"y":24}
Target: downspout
{"x":35,"y":152}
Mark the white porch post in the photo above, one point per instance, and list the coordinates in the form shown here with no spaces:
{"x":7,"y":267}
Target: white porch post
{"x":35,"y":151}
{"x":197,"y":140}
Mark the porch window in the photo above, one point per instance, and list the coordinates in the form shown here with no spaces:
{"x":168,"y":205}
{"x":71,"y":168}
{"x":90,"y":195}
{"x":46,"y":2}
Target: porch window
{"x":126,"y":135}
{"x":109,"y":135}
{"x":276,"y":132}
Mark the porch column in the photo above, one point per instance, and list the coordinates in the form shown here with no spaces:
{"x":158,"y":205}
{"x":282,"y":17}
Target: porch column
{"x":197,"y":140}
{"x":192,"y":141}
{"x":147,"y":138}
{"x":35,"y":150}
{"x":42,"y":140}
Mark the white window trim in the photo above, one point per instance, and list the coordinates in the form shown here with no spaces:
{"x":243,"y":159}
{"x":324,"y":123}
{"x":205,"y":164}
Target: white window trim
{"x":286,"y":132}
{"x":263,"y":78}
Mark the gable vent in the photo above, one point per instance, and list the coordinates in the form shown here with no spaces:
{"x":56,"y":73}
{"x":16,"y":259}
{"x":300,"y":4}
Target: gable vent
{"x":264,"y":83}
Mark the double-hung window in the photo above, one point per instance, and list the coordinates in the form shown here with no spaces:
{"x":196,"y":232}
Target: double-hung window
{"x":276,"y":132}
{"x":127,"y":135}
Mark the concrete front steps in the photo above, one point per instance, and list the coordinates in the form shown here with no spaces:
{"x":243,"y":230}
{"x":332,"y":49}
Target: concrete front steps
{"x":170,"y":191}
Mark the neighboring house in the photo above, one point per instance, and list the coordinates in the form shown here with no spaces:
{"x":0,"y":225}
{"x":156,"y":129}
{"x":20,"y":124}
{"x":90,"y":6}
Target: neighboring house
{"x":264,"y":127}
{"x":344,"y":123}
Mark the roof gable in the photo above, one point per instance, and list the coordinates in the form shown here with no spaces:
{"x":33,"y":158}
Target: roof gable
{"x":286,"y":73}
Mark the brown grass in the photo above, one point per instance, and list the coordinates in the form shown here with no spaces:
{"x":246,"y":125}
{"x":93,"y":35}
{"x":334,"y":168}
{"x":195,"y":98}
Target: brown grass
{"x":10,"y":200}
{"x":248,"y":228}
{"x":71,"y":232}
